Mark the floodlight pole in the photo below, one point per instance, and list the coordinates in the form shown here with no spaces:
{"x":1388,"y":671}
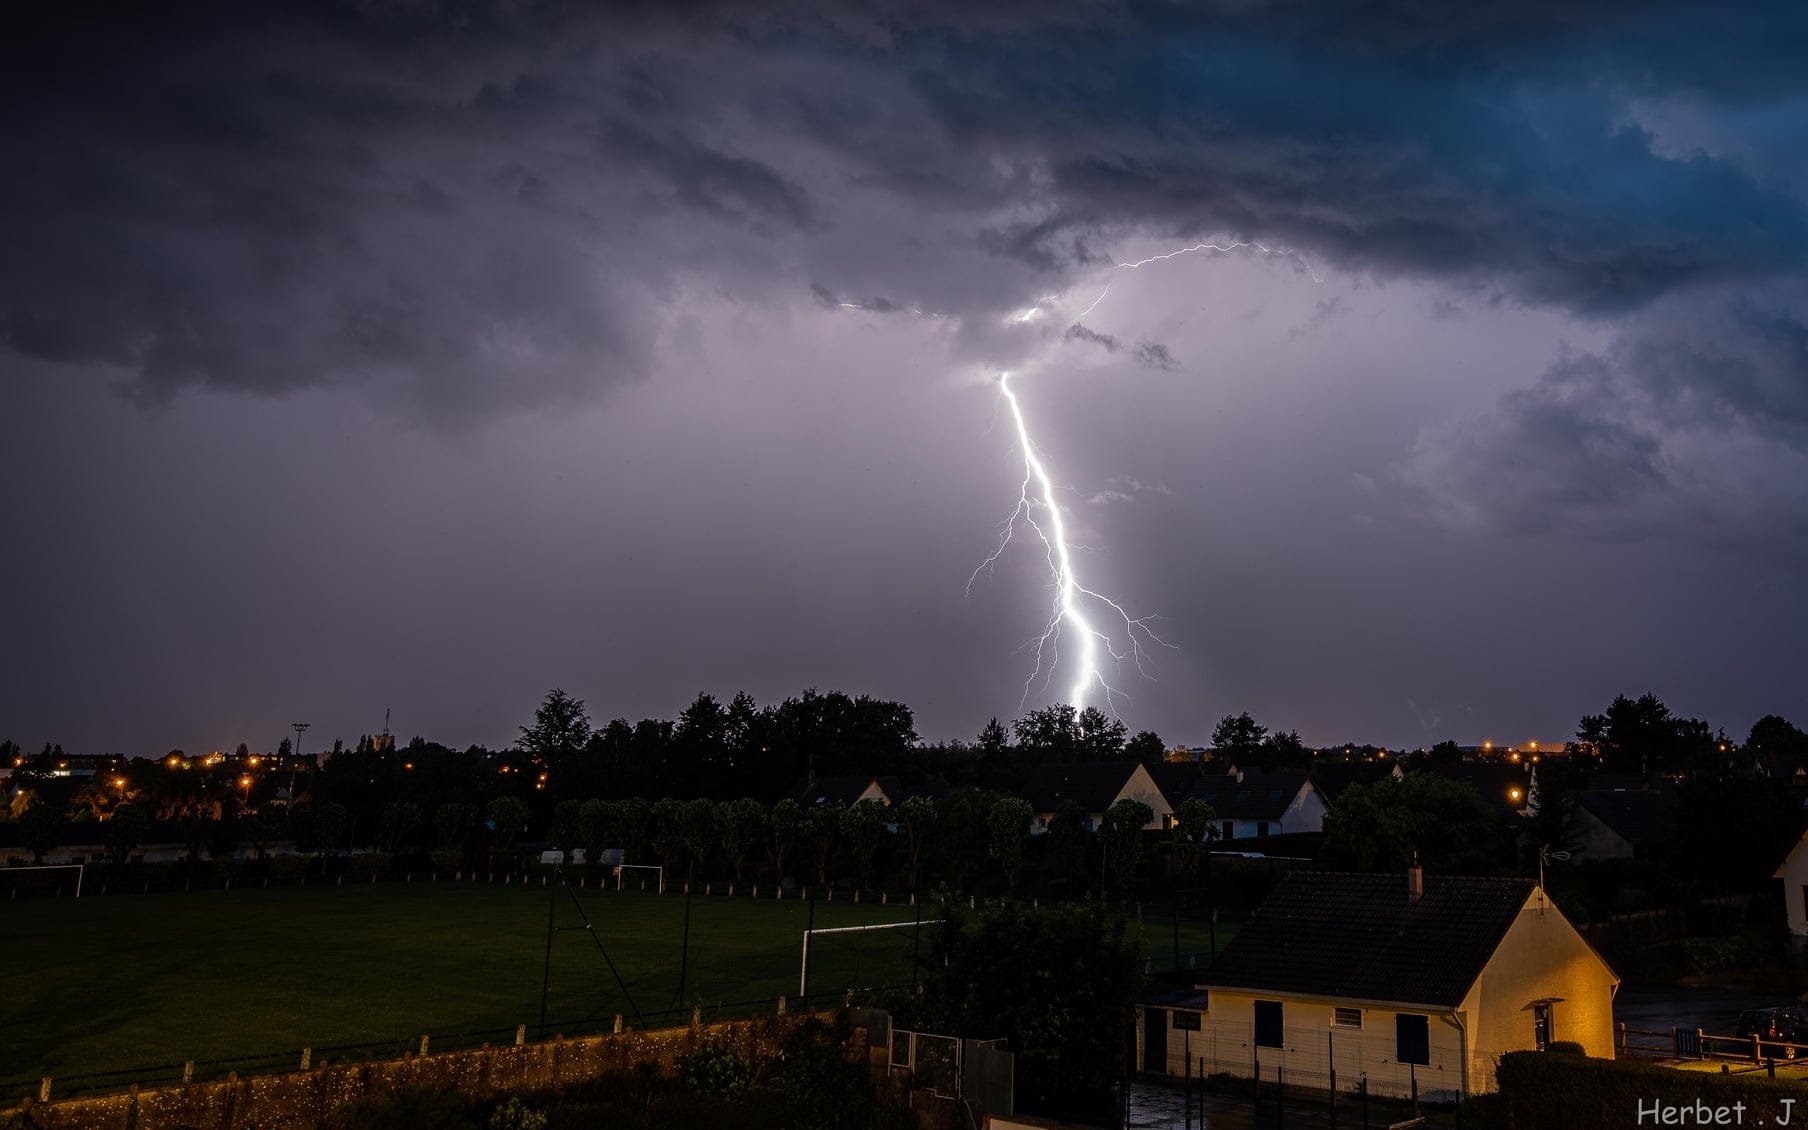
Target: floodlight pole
{"x":684,"y":954}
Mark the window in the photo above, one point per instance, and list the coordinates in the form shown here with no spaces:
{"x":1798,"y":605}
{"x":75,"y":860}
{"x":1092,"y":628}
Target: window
{"x":1541,"y":1026}
{"x":1261,"y":827}
{"x":1230,"y":833}
{"x":1268,"y":1024}
{"x":1412,"y":1039}
{"x":1187,"y":1020}
{"x":1347,"y":1017}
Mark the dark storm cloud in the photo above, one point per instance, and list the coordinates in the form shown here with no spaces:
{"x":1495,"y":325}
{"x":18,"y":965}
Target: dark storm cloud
{"x":490,"y":203}
{"x":1694,"y":421}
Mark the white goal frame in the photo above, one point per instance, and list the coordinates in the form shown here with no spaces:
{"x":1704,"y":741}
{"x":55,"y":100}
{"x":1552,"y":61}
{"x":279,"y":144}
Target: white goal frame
{"x":803,"y":973}
{"x":622,"y":868}
{"x":81,"y":869}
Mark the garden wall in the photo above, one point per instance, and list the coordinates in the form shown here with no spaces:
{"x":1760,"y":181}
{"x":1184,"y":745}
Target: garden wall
{"x":302,"y":1098}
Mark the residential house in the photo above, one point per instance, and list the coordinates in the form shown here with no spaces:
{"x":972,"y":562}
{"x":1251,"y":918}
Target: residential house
{"x":1416,"y":983}
{"x":846,"y":790}
{"x":1095,"y":786}
{"x":1252,"y":805}
{"x":1794,"y":873}
{"x":1333,"y":777}
{"x":1621,"y":823}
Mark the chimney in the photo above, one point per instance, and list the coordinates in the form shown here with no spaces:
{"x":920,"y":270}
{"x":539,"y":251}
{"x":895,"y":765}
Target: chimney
{"x":1415,"y":880}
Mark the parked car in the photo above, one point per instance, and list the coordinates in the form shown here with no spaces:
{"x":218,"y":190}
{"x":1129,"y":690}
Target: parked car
{"x":1785,"y":1023}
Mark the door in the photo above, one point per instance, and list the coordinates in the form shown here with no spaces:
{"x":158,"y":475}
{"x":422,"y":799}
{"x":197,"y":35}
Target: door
{"x":1155,"y":1040}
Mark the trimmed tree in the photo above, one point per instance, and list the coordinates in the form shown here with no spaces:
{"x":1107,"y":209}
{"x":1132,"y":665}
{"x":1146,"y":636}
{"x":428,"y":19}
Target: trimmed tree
{"x":1009,"y":822}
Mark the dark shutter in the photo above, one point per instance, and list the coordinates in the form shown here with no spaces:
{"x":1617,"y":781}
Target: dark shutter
{"x":1412,"y":1039}
{"x":1268,"y":1024}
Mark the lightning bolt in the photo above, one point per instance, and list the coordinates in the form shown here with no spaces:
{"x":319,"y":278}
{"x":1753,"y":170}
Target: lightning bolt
{"x":1069,"y":607}
{"x":1036,"y":495}
{"x":1074,"y":605}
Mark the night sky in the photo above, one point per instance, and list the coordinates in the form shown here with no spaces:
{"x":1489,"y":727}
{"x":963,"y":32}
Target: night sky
{"x":426,"y":356}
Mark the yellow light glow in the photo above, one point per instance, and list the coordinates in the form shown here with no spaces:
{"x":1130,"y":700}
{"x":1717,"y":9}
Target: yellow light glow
{"x":1514,"y":793}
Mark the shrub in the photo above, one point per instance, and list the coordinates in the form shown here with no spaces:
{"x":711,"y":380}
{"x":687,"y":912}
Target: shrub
{"x":716,"y":1069}
{"x":289,"y":868}
{"x":516,"y":1115}
{"x":367,"y":864}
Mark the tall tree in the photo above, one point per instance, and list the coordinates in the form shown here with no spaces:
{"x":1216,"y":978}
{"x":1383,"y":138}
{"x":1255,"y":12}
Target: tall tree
{"x":821,"y":823}
{"x":126,"y":829}
{"x":783,"y":826}
{"x":1121,"y":831}
{"x":863,"y":823}
{"x":990,"y":973}
{"x":917,"y":815}
{"x":1009,"y":822}
{"x":742,"y":822}
{"x":1147,"y":748}
{"x":1067,"y":841}
{"x":561,"y":729}
{"x":1195,"y":827}
{"x":1446,"y":824}
{"x":1238,"y":737}
{"x":699,"y":819}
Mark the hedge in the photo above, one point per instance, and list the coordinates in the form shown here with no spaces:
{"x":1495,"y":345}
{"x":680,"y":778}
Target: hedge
{"x":1545,"y":1091}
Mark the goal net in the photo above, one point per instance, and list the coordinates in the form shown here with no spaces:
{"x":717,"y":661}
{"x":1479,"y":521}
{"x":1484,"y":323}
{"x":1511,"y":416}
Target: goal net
{"x":838,"y":958}
{"x":645,"y":877}
{"x":55,"y":881}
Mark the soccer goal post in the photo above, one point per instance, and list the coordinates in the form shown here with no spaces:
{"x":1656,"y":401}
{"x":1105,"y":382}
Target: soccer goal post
{"x":79,"y":868}
{"x":803,"y":973}
{"x":621,"y":874}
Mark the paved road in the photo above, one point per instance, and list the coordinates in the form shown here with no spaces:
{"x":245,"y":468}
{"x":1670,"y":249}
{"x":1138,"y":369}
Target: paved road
{"x":1660,"y":1008}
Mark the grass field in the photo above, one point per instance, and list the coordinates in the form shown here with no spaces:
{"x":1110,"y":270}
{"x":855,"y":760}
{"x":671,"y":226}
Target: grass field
{"x":108,"y":983}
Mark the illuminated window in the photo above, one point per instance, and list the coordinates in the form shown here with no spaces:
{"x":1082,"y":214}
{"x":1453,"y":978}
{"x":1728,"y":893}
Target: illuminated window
{"x":1347,"y":1018}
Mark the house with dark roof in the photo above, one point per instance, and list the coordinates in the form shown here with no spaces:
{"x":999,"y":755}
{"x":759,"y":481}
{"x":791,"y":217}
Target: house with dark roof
{"x":1333,"y":777}
{"x":1175,"y":779}
{"x":1794,"y":873}
{"x":1251,"y":805}
{"x":1411,"y":981}
{"x":1621,"y":823}
{"x":846,"y":790}
{"x":1095,"y":786}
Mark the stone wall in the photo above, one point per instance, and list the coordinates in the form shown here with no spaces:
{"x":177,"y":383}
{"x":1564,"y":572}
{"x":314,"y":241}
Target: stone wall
{"x":301,"y":1099}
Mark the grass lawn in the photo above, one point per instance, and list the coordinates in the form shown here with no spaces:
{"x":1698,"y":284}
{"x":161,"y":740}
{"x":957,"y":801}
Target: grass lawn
{"x":125,"y":981}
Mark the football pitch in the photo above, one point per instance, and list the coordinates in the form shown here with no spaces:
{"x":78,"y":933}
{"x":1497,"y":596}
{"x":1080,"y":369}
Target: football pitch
{"x":109,"y":983}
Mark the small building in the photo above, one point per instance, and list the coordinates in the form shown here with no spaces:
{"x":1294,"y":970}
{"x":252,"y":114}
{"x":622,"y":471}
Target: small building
{"x":1095,"y":786}
{"x":1252,"y":805}
{"x":1414,"y":983}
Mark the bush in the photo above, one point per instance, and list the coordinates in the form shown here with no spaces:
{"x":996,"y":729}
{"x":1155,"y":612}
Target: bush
{"x":516,"y":1115}
{"x":448,"y":862}
{"x":367,"y":864}
{"x":716,"y":1069}
{"x":1541,"y":1091}
{"x":289,"y":869}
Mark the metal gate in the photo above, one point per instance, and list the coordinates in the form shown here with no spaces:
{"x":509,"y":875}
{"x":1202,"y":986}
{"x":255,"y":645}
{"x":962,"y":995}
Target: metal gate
{"x":980,"y":1072}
